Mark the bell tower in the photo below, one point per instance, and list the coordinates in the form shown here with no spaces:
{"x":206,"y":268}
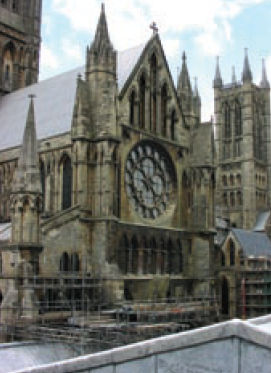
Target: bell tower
{"x":20,"y":24}
{"x":242,"y":137}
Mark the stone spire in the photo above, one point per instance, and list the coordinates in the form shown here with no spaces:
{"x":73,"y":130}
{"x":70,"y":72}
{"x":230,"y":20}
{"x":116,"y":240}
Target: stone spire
{"x":27,"y":176}
{"x":101,"y":43}
{"x":184,"y":79}
{"x":233,"y":79}
{"x":246,"y":75}
{"x":264,"y":82}
{"x":217,"y":83}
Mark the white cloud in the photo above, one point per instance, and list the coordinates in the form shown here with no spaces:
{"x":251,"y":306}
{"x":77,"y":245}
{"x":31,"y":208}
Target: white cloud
{"x":48,"y":59}
{"x":129,"y":20}
{"x":171,"y":47}
{"x":72,"y":50}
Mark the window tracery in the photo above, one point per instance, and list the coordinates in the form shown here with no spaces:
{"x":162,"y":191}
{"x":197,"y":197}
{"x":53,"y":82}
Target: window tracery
{"x":149,"y":179}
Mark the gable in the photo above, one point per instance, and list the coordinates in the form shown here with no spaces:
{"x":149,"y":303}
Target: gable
{"x":142,"y":66}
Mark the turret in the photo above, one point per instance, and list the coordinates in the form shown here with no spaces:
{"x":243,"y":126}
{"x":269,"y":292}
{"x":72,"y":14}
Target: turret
{"x":184,"y":89}
{"x":264,"y":82}
{"x":246,"y":74}
{"x":101,"y":78}
{"x":217,"y":82}
{"x":196,"y":101}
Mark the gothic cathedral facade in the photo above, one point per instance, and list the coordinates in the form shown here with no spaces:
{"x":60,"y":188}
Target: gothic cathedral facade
{"x":109,"y":174}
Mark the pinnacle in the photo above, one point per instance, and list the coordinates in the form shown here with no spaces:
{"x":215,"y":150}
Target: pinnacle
{"x":246,"y":75}
{"x":102,"y":38}
{"x":264,"y":82}
{"x":184,"y":79}
{"x":217,"y":83}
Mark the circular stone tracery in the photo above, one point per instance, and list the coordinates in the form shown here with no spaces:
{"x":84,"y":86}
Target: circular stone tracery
{"x":149,"y":177}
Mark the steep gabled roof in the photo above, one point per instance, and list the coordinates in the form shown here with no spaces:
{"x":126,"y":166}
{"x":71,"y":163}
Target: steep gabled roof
{"x":54,"y":102}
{"x":253,"y":243}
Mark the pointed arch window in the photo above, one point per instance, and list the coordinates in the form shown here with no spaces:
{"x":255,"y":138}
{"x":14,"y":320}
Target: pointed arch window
{"x":172,"y":124}
{"x":238,"y":119}
{"x":232,"y":253}
{"x":75,"y":263}
{"x":164,"y":97}
{"x":64,"y":263}
{"x":142,"y":102}
{"x":66,"y":182}
{"x":153,"y":92}
{"x":134,"y":254}
{"x":227,"y":121}
{"x":132,"y":108}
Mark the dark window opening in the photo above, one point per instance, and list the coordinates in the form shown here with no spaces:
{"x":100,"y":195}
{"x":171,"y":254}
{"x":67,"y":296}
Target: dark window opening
{"x":164,"y":97}
{"x":67,"y":183}
{"x":64,"y":264}
{"x":142,"y":99}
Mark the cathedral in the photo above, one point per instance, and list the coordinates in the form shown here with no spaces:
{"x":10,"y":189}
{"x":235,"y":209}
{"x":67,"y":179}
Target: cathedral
{"x":109,"y":180}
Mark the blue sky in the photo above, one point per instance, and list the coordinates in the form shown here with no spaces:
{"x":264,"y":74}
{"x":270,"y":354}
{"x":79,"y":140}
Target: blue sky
{"x":203,"y":28}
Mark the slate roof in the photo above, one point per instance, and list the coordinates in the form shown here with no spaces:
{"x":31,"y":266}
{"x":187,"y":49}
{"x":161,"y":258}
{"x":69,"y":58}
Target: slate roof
{"x":54,"y":102}
{"x":253,"y":243}
{"x":5,"y":231}
{"x":261,"y":221}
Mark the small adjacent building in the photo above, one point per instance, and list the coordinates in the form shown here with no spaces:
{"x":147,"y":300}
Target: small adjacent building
{"x":244,"y":270}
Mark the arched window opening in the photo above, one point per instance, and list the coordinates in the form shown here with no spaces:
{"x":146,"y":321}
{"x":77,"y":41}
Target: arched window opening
{"x":75,"y":263}
{"x":239,"y":179}
{"x":145,"y":255}
{"x":225,"y":199}
{"x":224,"y":180}
{"x":132,"y":108}
{"x":153,"y":256}
{"x":172,"y":125}
{"x":223,"y":262}
{"x":142,"y":101}
{"x":239,"y":198}
{"x":64,"y":264}
{"x":66,"y":183}
{"x":238,"y":119}
{"x":153,"y":92}
{"x":227,"y":121}
{"x":232,"y":253}
{"x":232,"y":199}
{"x":180,"y":256}
{"x":231,"y":180}
{"x":134,"y":255}
{"x":164,"y":97}
{"x":170,"y":257}
{"x":42,"y":180}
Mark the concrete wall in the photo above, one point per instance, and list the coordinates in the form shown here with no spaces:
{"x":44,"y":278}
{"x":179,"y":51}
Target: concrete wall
{"x":230,"y":347}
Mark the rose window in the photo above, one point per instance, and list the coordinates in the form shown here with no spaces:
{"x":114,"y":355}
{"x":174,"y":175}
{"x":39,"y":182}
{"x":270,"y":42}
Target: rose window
{"x":149,"y":179}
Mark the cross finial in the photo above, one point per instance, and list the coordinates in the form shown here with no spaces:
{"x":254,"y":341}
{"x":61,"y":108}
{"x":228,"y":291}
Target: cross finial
{"x":154,"y":28}
{"x":31,"y":96}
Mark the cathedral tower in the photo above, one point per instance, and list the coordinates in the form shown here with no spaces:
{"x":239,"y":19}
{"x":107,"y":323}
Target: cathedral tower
{"x":20,"y":23}
{"x":242,"y":136}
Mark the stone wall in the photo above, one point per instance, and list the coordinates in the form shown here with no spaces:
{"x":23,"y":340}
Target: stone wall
{"x":229,"y":347}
